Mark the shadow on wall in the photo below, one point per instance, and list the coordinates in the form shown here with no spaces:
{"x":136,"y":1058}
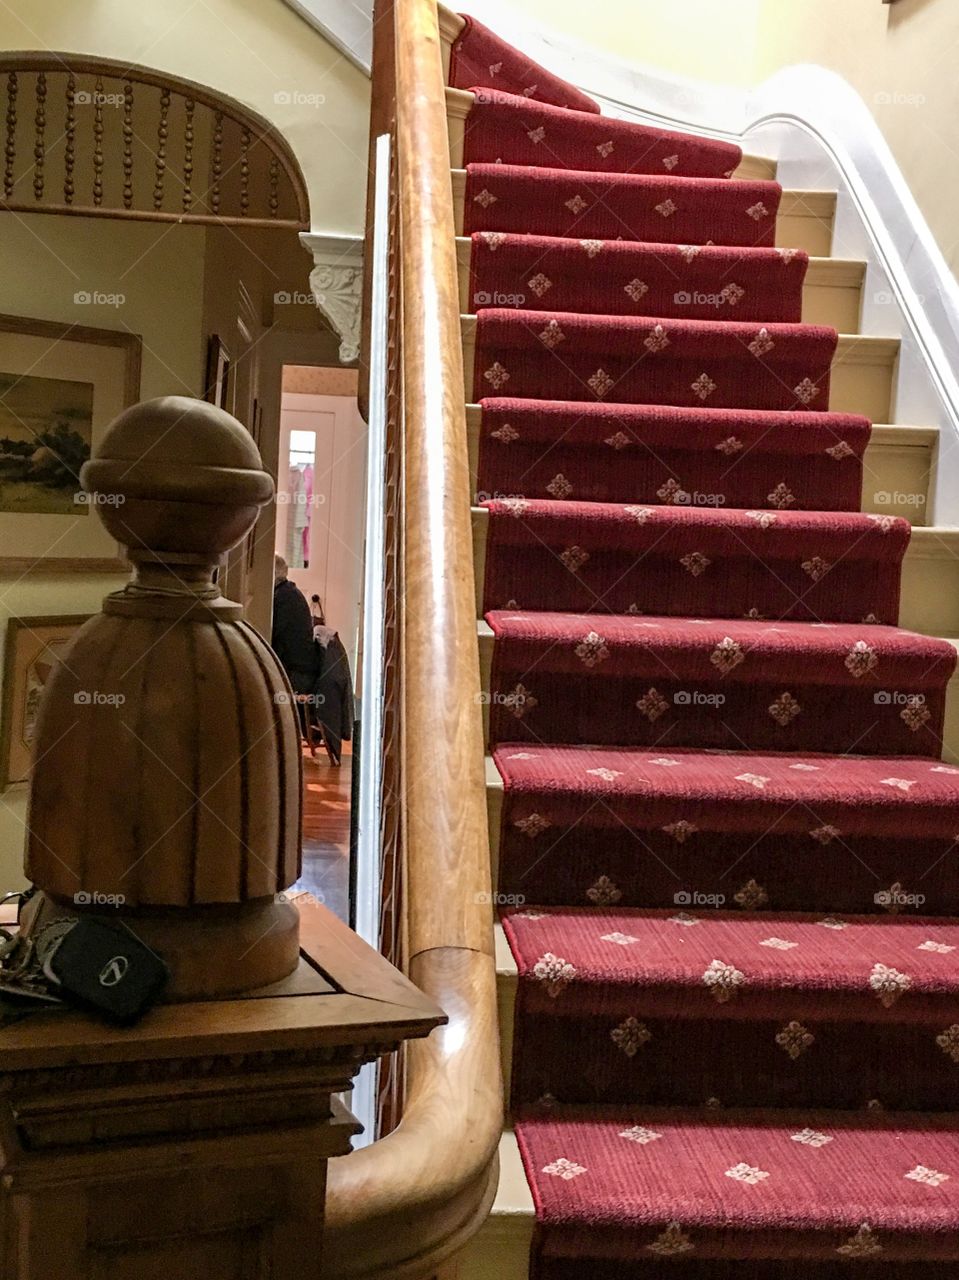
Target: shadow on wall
{"x":901,"y":11}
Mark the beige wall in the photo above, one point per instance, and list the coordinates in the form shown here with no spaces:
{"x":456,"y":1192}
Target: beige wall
{"x":178,"y":285}
{"x":157,"y":271}
{"x":256,"y":51}
{"x":902,"y":58}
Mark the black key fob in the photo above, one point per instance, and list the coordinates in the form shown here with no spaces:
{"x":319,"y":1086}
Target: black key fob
{"x":107,"y":968}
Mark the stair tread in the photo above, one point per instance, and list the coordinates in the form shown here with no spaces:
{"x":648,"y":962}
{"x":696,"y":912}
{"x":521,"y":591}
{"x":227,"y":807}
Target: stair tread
{"x":703,"y":1182}
{"x":860,"y":654}
{"x":912,"y":435}
{"x":773,"y":777}
{"x":881,"y":967}
{"x":870,"y":346}
{"x":853,"y":268}
{"x":812,"y":202}
{"x":565,"y":517}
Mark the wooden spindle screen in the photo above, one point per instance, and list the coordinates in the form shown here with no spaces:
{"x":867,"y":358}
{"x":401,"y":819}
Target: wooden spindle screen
{"x":95,"y":137}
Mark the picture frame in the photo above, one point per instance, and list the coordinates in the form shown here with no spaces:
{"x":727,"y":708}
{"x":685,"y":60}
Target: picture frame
{"x":31,"y":649}
{"x":61,"y":385}
{"x":217,"y":382}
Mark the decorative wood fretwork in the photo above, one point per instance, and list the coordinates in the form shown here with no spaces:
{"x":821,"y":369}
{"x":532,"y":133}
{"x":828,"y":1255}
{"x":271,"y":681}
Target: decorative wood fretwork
{"x":99,"y":138}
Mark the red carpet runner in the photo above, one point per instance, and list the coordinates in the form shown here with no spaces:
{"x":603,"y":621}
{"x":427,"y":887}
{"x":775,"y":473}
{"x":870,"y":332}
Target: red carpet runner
{"x":736,"y":1037}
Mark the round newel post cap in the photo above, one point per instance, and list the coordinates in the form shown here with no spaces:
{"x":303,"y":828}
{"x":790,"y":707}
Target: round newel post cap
{"x":177,"y":477}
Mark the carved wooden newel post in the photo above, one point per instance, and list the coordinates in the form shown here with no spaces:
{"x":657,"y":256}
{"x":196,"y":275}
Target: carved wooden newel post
{"x":166,"y":795}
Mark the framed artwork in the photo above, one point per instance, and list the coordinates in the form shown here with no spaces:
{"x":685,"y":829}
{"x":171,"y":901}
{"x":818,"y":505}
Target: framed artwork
{"x":33,"y":647}
{"x":61,"y":385}
{"x":217,"y":372}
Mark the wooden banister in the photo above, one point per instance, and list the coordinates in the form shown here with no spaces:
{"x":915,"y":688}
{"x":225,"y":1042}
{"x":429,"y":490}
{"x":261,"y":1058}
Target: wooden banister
{"x":399,"y":1207}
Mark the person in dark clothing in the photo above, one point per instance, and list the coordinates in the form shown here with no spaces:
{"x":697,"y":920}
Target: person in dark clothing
{"x":293,"y":630}
{"x":334,"y":689}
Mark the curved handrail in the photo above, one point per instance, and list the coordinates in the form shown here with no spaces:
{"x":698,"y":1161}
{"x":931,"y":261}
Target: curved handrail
{"x":403,"y":1204}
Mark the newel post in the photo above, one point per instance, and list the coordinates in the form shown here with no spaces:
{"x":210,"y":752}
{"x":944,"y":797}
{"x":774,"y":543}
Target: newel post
{"x":166,"y":796}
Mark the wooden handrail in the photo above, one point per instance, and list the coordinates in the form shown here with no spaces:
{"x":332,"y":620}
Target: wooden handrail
{"x":399,"y":1207}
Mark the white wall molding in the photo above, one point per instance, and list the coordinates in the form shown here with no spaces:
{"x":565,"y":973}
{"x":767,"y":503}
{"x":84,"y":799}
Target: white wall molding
{"x":337,"y":284}
{"x":346,"y":24}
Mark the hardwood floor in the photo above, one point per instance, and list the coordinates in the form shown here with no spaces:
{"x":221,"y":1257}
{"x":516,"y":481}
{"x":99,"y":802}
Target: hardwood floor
{"x":326,"y":830}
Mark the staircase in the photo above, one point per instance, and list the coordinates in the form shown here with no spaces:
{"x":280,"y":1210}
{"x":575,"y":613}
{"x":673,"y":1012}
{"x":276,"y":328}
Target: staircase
{"x":722,"y":803}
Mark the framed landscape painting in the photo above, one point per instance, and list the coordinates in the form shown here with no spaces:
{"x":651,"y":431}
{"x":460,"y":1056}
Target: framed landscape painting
{"x":60,"y":387}
{"x":32,"y":649}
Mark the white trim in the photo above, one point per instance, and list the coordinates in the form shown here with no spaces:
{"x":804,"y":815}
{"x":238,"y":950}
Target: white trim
{"x":369,"y":802}
{"x":345,"y":24}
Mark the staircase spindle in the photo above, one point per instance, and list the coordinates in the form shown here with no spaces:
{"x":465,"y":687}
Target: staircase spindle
{"x":217,"y":161}
{"x":70,"y":139}
{"x":10,"y":147}
{"x":188,"y":137}
{"x":128,"y":145}
{"x":244,"y":173}
{"x":163,"y":130}
{"x":39,"y":148}
{"x":98,"y":143}
{"x":274,"y":186}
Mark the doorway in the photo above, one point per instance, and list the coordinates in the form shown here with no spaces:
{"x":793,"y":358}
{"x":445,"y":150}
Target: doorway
{"x":320,"y":512}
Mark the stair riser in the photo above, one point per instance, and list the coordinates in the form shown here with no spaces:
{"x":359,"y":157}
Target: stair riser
{"x":837,"y":305}
{"x":862,"y":376}
{"x":898,"y":478}
{"x":459,"y":101}
{"x":837,"y":1064}
{"x":805,"y":219}
{"x":590,"y":710}
{"x":929,"y":592}
{"x":706,"y":714}
{"x":779,"y":871}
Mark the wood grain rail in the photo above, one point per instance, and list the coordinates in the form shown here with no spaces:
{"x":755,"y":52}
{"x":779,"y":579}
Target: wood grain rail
{"x":403,"y":1205}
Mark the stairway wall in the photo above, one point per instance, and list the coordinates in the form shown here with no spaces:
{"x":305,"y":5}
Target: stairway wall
{"x":895,"y":56}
